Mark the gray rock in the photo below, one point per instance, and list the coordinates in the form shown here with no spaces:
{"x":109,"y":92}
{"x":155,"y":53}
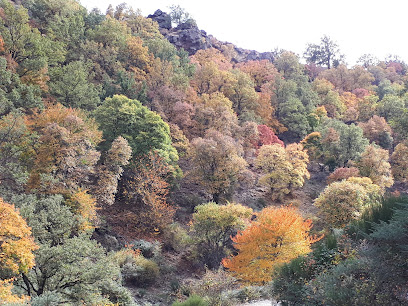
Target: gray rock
{"x":189,"y":37}
{"x":162,"y":18}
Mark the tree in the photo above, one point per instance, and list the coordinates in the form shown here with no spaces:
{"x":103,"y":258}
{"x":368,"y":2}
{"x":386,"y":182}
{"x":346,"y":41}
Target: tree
{"x":23,"y":45}
{"x":267,"y":136}
{"x":329,"y":98}
{"x":146,"y":190}
{"x":327,"y":53}
{"x":17,"y":245}
{"x":391,"y":107}
{"x":144,"y":130}
{"x":69,"y":264}
{"x":14,"y":94}
{"x":217,"y":163}
{"x":342,"y":174}
{"x":262,"y":72}
{"x":178,"y":14}
{"x":65,"y":153}
{"x":277,"y":236}
{"x":399,"y":162}
{"x":342,"y":202}
{"x":243,"y":95}
{"x":16,"y":250}
{"x":374,"y":163}
{"x":71,"y":86}
{"x":213,"y":225}
{"x":108,"y":172}
{"x":215,"y":112}
{"x":341,"y":142}
{"x":378,"y":130}
{"x":294,"y":99}
{"x":284,"y":169}
{"x":16,"y":142}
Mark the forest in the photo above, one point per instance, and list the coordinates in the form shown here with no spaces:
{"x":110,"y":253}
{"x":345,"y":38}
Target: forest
{"x":137,"y":171}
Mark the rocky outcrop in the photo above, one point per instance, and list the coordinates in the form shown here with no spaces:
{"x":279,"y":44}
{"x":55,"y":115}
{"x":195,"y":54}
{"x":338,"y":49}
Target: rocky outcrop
{"x":189,"y":37}
{"x":162,"y":18}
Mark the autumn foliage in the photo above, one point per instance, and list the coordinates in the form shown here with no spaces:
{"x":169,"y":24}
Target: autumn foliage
{"x":17,"y":244}
{"x":146,"y":193}
{"x":277,"y":236}
{"x":16,"y":250}
{"x":284,"y":169}
{"x":342,"y":202}
{"x":342,"y":174}
{"x":267,"y":136}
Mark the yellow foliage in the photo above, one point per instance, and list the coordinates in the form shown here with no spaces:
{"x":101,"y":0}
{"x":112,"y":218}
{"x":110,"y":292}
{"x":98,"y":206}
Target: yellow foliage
{"x":84,"y":204}
{"x":284,"y":168}
{"x":277,"y":236}
{"x":7,"y":297}
{"x":16,"y":243}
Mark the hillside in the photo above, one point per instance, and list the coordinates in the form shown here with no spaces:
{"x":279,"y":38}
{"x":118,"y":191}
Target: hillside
{"x":145,"y":162}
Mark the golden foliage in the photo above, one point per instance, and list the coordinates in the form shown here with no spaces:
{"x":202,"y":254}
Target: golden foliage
{"x":7,"y":297}
{"x":16,"y":243}
{"x":277,"y":236}
{"x":147,"y":192}
{"x":84,"y":205}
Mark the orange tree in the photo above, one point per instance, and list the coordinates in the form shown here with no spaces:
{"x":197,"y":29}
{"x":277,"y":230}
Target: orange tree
{"x":277,"y":236}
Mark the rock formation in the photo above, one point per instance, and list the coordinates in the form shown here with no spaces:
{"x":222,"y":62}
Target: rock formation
{"x":189,"y":37}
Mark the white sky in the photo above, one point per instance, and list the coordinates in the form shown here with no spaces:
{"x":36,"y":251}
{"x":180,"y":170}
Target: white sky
{"x":358,"y":26}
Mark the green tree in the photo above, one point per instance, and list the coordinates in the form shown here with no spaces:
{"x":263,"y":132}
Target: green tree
{"x":213,"y":225}
{"x":341,"y":142}
{"x":326,"y":53}
{"x":71,"y":86}
{"x":23,"y":45}
{"x":144,"y":130}
{"x":62,"y":21}
{"x":179,"y":15}
{"x":14,"y":94}
{"x":69,"y":264}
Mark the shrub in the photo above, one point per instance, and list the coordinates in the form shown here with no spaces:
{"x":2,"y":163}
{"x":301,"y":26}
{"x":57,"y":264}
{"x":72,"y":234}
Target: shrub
{"x":175,"y":237}
{"x":342,"y":174}
{"x":135,"y":268}
{"x":193,"y":300}
{"x":213,"y":285}
{"x":147,"y":248}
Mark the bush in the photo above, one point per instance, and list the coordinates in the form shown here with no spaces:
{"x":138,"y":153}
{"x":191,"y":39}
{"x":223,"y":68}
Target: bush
{"x":247,"y":294}
{"x":352,"y":282}
{"x":212,"y":286}
{"x":193,"y":300}
{"x":175,"y":238}
{"x":290,"y":279}
{"x":135,"y":268}
{"x":140,"y":272}
{"x":147,"y":248}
